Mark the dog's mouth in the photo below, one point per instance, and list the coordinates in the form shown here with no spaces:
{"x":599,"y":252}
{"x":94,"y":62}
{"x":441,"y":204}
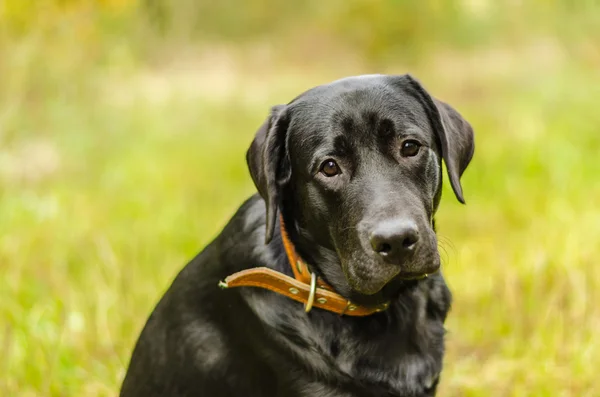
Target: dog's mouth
{"x":413,"y":275}
{"x":418,"y":275}
{"x":372,"y":293}
{"x":373,"y":278}
{"x":386,"y":280}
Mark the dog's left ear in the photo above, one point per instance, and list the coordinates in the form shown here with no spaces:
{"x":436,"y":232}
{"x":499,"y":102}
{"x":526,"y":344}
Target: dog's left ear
{"x":454,"y":132}
{"x":269,"y":164}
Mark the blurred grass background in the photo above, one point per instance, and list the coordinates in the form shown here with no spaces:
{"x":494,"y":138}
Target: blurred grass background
{"x":123,"y":128}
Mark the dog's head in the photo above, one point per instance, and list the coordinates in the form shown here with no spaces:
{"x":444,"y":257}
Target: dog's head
{"x":355,"y":167}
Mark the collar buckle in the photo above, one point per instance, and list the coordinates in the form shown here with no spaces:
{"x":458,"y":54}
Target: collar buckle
{"x":313,"y":292}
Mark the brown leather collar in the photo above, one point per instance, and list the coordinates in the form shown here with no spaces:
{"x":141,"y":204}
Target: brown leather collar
{"x":305,"y":287}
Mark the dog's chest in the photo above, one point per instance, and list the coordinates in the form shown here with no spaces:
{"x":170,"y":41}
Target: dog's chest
{"x":415,"y":376}
{"x":399,"y":355}
{"x":323,"y":389}
{"x":384,"y":369}
{"x":397,"y":363}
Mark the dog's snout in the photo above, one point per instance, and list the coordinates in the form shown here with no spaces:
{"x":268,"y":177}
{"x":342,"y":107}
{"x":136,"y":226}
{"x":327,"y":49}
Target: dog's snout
{"x":394,"y":240}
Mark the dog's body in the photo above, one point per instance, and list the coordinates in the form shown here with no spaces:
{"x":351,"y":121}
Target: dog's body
{"x":354,"y":168}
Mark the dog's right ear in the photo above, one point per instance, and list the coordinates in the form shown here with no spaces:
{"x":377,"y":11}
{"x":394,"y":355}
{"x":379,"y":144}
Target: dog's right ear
{"x":269,"y":163}
{"x":453,"y":131}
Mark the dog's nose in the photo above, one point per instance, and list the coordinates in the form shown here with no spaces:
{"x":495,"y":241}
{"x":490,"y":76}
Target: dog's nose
{"x":395,"y":239}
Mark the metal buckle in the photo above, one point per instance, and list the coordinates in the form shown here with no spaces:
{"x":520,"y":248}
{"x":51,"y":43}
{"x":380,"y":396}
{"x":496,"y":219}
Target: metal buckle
{"x":313,"y":292}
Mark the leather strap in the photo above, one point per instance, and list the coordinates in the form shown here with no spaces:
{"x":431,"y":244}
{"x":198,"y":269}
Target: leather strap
{"x":299,"y":288}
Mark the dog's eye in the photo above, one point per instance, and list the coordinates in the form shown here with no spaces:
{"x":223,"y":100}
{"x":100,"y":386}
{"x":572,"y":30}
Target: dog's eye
{"x":410,"y":148}
{"x":330,"y":168}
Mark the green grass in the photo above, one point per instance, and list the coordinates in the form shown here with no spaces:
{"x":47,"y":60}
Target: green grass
{"x":110,"y":181}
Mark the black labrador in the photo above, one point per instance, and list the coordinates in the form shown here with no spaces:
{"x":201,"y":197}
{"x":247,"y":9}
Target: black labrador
{"x":354,"y":169}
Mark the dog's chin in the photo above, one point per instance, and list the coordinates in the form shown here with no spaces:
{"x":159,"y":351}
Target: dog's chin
{"x":375,"y":294}
{"x":420,"y":272}
{"x":367,"y":288}
{"x":383,"y":285}
{"x":373,"y":290}
{"x":368,"y":278}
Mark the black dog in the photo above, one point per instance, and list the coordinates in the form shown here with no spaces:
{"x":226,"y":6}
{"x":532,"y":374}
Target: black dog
{"x":354,"y":170}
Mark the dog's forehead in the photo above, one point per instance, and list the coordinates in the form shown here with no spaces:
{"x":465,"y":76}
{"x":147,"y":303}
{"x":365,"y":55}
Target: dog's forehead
{"x":355,"y":105}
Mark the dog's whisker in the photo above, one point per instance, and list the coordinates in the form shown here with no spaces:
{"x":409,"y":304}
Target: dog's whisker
{"x":445,"y":258}
{"x":447,"y":247}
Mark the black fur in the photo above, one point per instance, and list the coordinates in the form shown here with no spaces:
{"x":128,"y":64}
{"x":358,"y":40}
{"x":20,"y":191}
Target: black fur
{"x":204,"y":341}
